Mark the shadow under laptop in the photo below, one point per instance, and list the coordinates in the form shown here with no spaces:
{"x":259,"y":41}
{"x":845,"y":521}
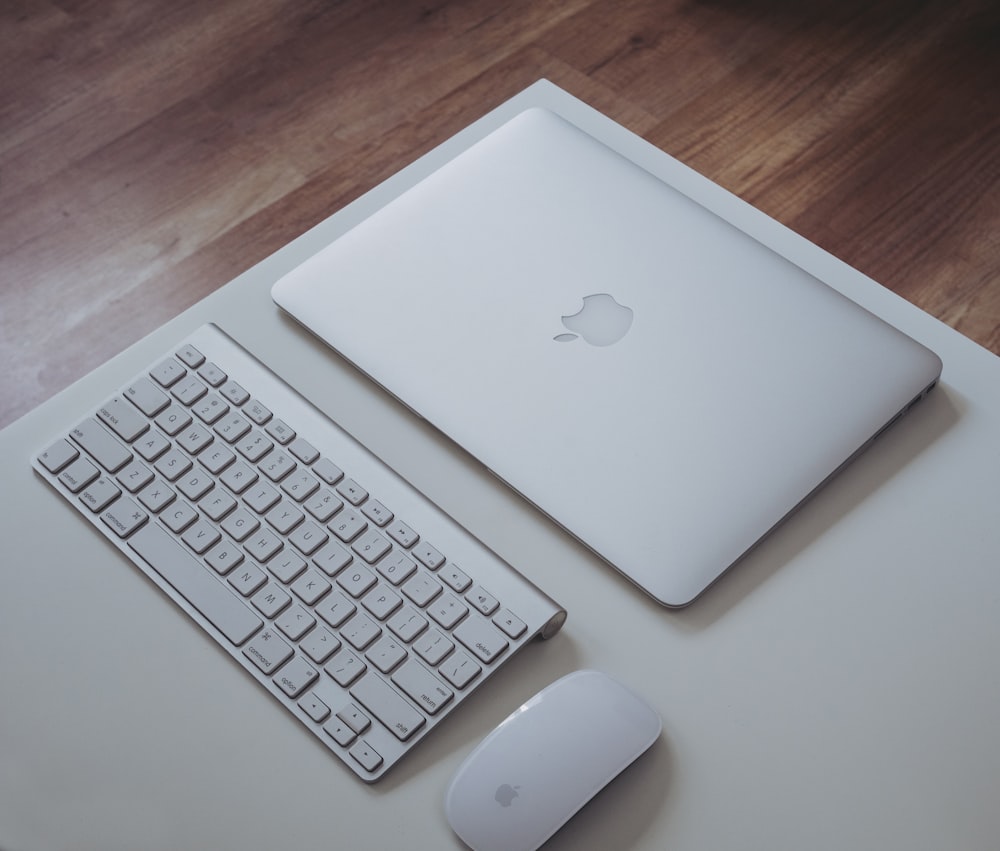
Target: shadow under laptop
{"x":891,"y":452}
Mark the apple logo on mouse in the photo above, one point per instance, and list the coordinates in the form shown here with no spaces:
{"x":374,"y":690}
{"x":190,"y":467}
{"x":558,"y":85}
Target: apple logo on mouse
{"x":601,"y":321}
{"x":505,"y":794}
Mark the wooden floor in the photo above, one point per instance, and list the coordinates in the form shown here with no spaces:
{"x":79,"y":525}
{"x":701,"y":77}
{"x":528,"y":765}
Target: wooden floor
{"x":150,"y":150}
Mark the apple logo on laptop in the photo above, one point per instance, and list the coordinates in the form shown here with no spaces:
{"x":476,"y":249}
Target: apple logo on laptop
{"x":505,"y":794}
{"x":601,"y":321}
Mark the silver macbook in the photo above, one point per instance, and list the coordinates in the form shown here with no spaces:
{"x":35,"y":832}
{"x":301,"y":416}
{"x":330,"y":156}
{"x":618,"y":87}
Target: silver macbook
{"x":659,"y":383}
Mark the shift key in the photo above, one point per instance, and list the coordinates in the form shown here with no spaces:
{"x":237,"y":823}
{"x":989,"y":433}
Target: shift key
{"x":379,"y":698}
{"x":104,"y":447}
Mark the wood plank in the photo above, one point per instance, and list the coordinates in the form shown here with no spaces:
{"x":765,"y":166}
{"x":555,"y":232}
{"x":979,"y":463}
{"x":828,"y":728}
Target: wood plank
{"x":149,"y":152}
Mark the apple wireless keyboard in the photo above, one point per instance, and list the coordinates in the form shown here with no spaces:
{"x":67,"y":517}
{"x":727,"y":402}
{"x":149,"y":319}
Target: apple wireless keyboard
{"x":358,"y":604}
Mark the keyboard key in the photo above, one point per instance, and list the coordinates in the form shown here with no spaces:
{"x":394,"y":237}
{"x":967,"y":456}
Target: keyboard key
{"x":366,"y":755}
{"x":407,"y":624}
{"x":347,"y":525}
{"x":210,"y":409}
{"x":303,"y":450}
{"x":482,"y":638}
{"x":156,"y":496}
{"x":354,"y":718}
{"x":388,"y":706}
{"x":135,"y":477}
{"x":201,"y":536}
{"x":427,"y":555}
{"x":247,"y":579}
{"x":454,"y":577}
{"x":510,"y":623}
{"x":345,"y":667}
{"x":352,"y":492}
{"x":371,"y":546}
{"x":173,"y":419}
{"x":234,"y":393}
{"x":360,"y":631}
{"x":101,"y":445}
{"x":423,"y":688}
{"x":381,"y":602}
{"x":422,"y":589}
{"x":433,"y":647}
{"x":308,"y":537}
{"x":78,"y":475}
{"x":482,"y":600}
{"x":459,"y":669}
{"x":332,"y":558}
{"x":314,"y":707}
{"x":296,"y":677}
{"x":191,"y":356}
{"x":323,"y":505}
{"x":386,"y":653}
{"x":212,"y":374}
{"x":188,"y":390}
{"x":320,"y":644}
{"x":448,"y":610}
{"x":270,"y":601}
{"x":328,"y":471}
{"x":356,"y":580}
{"x":147,"y":397}
{"x":99,"y":494}
{"x":310,"y":587}
{"x":195,"y":584}
{"x":296,"y":622}
{"x":397,"y":568}
{"x":173,"y":465}
{"x":123,"y":419}
{"x":339,"y":731}
{"x":402,"y":534}
{"x":167,"y":372}
{"x":123,"y":517}
{"x":336,"y":609}
{"x":151,"y":445}
{"x":257,"y":412}
{"x":267,"y":651}
{"x":376,"y":512}
{"x":280,"y":431}
{"x":58,"y":455}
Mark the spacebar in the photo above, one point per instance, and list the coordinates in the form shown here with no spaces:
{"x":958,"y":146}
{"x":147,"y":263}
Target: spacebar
{"x":194,"y":583}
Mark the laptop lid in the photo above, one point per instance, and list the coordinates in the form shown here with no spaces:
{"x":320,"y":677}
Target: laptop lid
{"x":656,"y":381}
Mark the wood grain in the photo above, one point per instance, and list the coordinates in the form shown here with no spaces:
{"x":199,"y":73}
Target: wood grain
{"x":150,"y":150}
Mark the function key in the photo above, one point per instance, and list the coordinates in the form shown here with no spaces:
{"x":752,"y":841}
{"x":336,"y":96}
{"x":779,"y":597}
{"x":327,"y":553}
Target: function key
{"x":402,"y":534}
{"x":428,"y":556}
{"x":483,"y":600}
{"x":328,"y":471}
{"x":352,"y":492}
{"x":376,"y":512}
{"x":234,"y":393}
{"x":191,"y":356}
{"x":303,"y":450}
{"x":257,"y":412}
{"x":212,"y":374}
{"x":280,"y":431}
{"x":510,"y":623}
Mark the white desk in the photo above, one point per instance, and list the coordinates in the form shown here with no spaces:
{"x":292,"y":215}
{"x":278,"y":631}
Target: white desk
{"x":839,"y":689}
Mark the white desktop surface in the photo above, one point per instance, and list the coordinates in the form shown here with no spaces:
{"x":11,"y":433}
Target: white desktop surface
{"x":838,"y":689}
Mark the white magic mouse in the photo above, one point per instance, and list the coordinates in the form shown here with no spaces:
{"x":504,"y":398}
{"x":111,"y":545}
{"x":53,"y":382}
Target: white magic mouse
{"x":529,"y":776}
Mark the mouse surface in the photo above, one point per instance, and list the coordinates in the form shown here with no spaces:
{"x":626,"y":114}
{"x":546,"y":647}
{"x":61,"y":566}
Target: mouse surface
{"x":546,"y":760}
